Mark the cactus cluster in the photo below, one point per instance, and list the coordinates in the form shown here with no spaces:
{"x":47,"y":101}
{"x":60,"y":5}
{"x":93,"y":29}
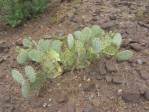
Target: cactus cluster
{"x":55,"y":56}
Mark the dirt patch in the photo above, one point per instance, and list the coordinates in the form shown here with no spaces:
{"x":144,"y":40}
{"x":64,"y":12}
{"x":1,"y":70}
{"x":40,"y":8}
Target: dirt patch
{"x":106,"y":85}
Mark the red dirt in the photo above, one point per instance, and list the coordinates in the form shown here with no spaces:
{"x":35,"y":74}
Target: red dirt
{"x":105,"y":86}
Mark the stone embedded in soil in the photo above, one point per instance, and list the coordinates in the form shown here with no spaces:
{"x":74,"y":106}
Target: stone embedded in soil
{"x":140,"y":61}
{"x":119,"y":92}
{"x":142,"y":89}
{"x":111,"y":66}
{"x":117,"y":79}
{"x":126,"y":42}
{"x":3,"y":58}
{"x":19,"y":42}
{"x":146,"y":94}
{"x":37,"y":104}
{"x":45,"y":105}
{"x":136,"y":46}
{"x":113,"y":17}
{"x":88,"y":86}
{"x":88,"y":108}
{"x":61,"y":98}
{"x":109,"y":24}
{"x":99,"y":77}
{"x":108,"y":79}
{"x":144,"y":74}
{"x":102,"y":68}
{"x":131,"y":96}
{"x":3,"y":46}
{"x":98,"y":69}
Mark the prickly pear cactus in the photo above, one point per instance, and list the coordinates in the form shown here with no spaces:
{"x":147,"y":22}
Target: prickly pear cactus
{"x":55,"y":56}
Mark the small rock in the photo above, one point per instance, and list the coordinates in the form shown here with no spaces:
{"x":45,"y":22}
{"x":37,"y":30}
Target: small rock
{"x":146,"y":94}
{"x":118,"y":80}
{"x":136,"y":46}
{"x":19,"y":42}
{"x":126,"y":42}
{"x":139,"y":61}
{"x":50,"y":99}
{"x":3,"y":46}
{"x":113,"y":17}
{"x":131,"y":96}
{"x":109,"y":24}
{"x":142,"y":87}
{"x":73,"y":19}
{"x":38,"y":104}
{"x":99,"y":68}
{"x":102,"y":68}
{"x":61,"y":98}
{"x":111,"y":66}
{"x":45,"y":105}
{"x":144,"y":75}
{"x":88,"y":86}
{"x":99,"y":77}
{"x":108,"y":79}
{"x":61,"y":34}
{"x":3,"y":58}
{"x":119,"y":92}
{"x":88,"y":108}
{"x":146,"y":108}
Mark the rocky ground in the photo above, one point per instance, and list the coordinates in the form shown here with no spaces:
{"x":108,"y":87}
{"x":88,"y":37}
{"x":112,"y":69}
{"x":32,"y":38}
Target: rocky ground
{"x":106,"y":85}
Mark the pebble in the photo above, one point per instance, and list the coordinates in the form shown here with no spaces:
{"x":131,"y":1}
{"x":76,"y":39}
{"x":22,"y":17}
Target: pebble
{"x":37,"y":103}
{"x":108,"y":79}
{"x":3,"y":46}
{"x":88,"y":108}
{"x":119,"y":92}
{"x":146,"y":94}
{"x":136,"y":46}
{"x":142,"y":87}
{"x":111,"y":66}
{"x":131,"y":96}
{"x":109,"y":24}
{"x":99,"y":77}
{"x":144,"y":74}
{"x":62,"y":98}
{"x":118,"y":80}
{"x":102,"y":68}
{"x":140,"y":62}
{"x":19,"y":42}
{"x":45,"y":105}
{"x":88,"y":86}
{"x":3,"y":58}
{"x":50,"y":99}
